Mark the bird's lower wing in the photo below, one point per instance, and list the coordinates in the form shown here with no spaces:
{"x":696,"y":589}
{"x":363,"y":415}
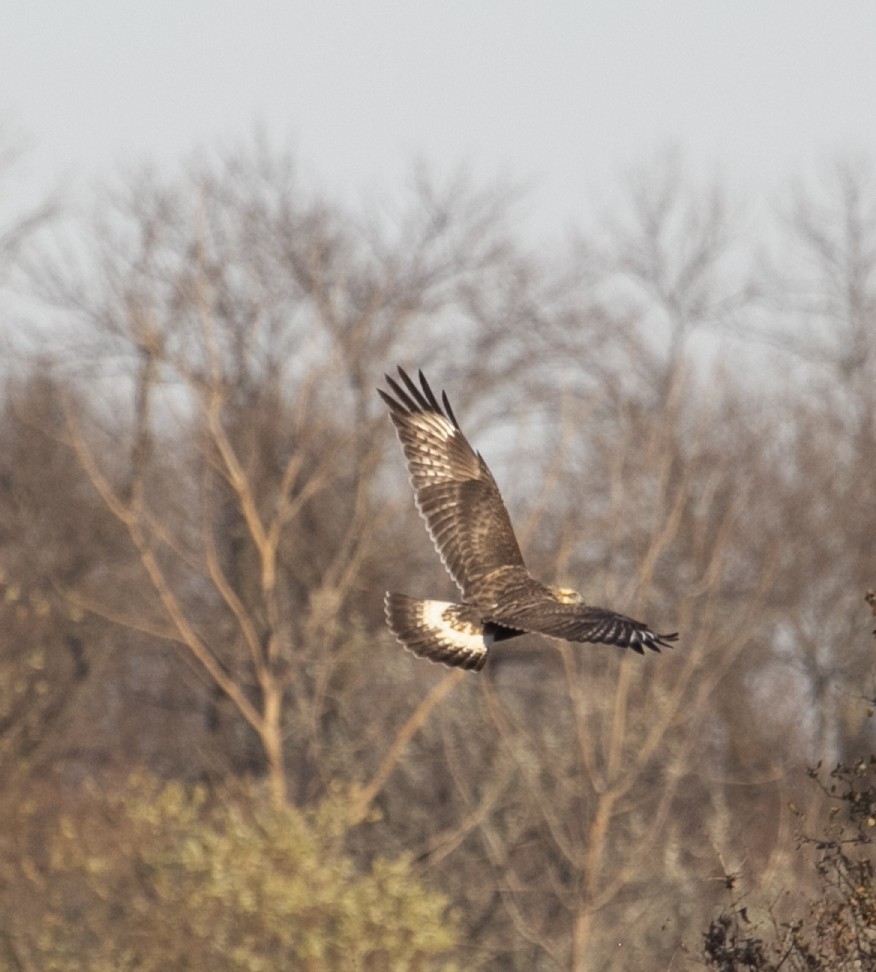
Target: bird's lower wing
{"x":579,"y":622}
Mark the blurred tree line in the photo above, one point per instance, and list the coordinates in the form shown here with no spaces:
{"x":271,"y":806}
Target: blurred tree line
{"x":215,"y":756}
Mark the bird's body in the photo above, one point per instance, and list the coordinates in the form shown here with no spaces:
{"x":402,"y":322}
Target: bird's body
{"x":466,"y":517}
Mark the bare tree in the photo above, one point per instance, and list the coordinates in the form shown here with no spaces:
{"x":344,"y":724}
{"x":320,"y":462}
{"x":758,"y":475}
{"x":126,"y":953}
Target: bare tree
{"x":237,"y":446}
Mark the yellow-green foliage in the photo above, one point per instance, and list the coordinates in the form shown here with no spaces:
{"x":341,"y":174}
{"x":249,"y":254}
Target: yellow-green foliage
{"x":158,"y":876}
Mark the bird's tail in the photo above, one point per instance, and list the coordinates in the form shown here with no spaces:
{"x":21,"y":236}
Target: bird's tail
{"x":441,"y":631}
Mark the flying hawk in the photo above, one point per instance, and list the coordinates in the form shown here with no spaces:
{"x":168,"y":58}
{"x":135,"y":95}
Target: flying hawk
{"x":466,"y":517}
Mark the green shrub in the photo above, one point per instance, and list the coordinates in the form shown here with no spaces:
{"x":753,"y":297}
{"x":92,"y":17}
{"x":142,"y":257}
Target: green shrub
{"x":159,"y":876}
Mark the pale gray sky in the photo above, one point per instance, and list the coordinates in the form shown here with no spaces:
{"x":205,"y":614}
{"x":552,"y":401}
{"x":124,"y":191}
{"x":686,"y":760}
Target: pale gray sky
{"x":554,"y":94}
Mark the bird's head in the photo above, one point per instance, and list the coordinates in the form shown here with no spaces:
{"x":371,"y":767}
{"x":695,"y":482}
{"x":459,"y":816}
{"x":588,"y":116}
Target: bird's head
{"x":565,"y":595}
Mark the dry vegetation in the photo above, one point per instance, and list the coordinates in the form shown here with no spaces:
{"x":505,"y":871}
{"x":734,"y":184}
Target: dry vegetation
{"x":213,"y":753}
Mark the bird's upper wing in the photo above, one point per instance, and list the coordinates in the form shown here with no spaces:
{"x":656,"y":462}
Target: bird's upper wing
{"x":541,"y":614}
{"x":454,"y":490}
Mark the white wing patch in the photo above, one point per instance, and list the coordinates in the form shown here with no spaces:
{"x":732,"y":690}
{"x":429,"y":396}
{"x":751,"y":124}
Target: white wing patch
{"x":442,"y":618}
{"x":438,"y":630}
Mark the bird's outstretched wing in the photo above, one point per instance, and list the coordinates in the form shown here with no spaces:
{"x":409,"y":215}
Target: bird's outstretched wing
{"x":454,"y":490}
{"x":579,"y":622}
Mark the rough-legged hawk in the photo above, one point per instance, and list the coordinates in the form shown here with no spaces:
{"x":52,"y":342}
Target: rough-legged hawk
{"x":470,"y":527}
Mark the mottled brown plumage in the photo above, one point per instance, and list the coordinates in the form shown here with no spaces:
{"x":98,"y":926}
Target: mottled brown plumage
{"x":466,"y":517}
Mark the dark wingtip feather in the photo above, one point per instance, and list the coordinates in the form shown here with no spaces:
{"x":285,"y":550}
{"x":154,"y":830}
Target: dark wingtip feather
{"x":406,"y":378}
{"x":411,"y":399}
{"x":421,"y":402}
{"x":403,"y":401}
{"x":427,"y":391}
{"x":390,"y":401}
{"x":448,"y":411}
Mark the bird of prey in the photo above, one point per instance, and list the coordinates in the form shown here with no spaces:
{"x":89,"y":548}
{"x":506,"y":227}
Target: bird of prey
{"x":466,"y":517}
